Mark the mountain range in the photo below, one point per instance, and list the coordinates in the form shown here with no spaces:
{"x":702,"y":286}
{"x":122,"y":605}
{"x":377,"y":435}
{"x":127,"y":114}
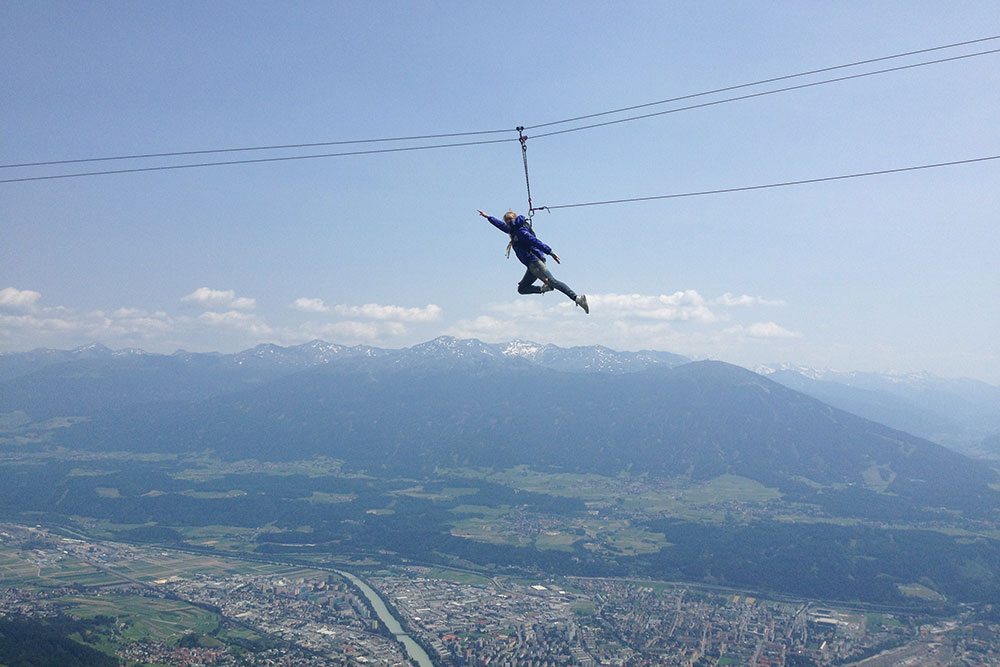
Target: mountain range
{"x":45,"y":383}
{"x":452,"y":403}
{"x":962,"y":414}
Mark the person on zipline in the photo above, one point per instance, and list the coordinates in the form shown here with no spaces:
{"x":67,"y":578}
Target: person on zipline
{"x":531,"y":251}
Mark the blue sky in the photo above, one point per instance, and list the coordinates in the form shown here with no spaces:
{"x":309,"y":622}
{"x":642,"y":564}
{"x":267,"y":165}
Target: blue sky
{"x":894,"y":272}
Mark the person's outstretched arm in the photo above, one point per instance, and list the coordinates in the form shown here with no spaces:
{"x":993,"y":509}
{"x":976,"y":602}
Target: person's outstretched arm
{"x":499,"y":224}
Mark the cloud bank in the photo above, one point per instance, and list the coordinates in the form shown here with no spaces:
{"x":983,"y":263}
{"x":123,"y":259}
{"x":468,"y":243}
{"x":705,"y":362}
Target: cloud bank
{"x":307,"y":305}
{"x":226,"y":299}
{"x":14,"y":299}
{"x":684,"y":322}
{"x":374,"y":311}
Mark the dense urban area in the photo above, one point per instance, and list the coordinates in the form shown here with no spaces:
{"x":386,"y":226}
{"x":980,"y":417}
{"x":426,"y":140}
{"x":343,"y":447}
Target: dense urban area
{"x":151,"y":605}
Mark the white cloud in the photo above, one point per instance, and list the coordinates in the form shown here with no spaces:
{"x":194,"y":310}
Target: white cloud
{"x":13,"y":325}
{"x":66,"y":328}
{"x":211,"y":298}
{"x":729,"y":299}
{"x":134,"y":323}
{"x":683,"y":322}
{"x":395,"y":329}
{"x":224,"y":325}
{"x":14,"y":299}
{"x":765,"y":330}
{"x":310,"y":305}
{"x":245,"y":322}
{"x":684,"y":305}
{"x":374,"y":311}
{"x":628,"y":321}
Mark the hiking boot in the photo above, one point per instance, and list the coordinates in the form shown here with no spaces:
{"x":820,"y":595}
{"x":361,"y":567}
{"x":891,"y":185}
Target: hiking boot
{"x":545,"y":287}
{"x":581,"y":301}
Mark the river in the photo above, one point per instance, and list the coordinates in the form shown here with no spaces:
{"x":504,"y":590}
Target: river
{"x":413,"y":649}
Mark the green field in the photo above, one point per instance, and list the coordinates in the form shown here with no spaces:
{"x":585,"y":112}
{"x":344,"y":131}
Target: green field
{"x":730,"y":488}
{"x":222,"y":538}
{"x":83,"y":575}
{"x":28,"y":570}
{"x":184,"y":565}
{"x":555,"y":540}
{"x":919,"y":591}
{"x":881,"y":620}
{"x":627,"y":540}
{"x":90,"y":472}
{"x":492,"y":531}
{"x":445,"y":494}
{"x":13,"y":568}
{"x":205,"y":468}
{"x":482,"y":511}
{"x":322,"y":497}
{"x":456,"y":576}
{"x":20,"y":568}
{"x":150,"y":619}
{"x":211,"y":495}
{"x":595,"y":488}
{"x":676,"y":497}
{"x":615,"y":536}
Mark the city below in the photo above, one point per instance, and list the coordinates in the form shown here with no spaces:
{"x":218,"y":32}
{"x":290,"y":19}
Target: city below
{"x":170,"y":607}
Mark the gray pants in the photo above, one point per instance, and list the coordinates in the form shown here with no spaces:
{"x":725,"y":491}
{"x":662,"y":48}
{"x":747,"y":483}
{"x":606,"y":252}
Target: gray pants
{"x":538,"y":271}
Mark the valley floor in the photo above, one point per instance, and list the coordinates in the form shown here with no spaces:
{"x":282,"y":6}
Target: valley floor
{"x":154,"y":605}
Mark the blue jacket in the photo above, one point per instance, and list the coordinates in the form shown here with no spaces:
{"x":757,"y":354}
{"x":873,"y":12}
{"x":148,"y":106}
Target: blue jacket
{"x":526,"y":245}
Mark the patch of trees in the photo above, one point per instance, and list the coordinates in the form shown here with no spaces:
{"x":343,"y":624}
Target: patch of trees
{"x":865,"y":504}
{"x":150,"y":534}
{"x":827,"y":562}
{"x":35,"y":641}
{"x":267,"y":498}
{"x":492,"y":495}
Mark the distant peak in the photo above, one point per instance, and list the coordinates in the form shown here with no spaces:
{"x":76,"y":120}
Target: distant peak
{"x":522,"y":348}
{"x":129,"y":352}
{"x":91,"y":349}
{"x":446,"y":343}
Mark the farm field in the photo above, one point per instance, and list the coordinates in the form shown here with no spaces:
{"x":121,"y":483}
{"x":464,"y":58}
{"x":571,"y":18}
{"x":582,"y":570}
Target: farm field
{"x":148,"y":619}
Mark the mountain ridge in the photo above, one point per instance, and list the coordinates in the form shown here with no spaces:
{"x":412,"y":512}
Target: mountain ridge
{"x":464,"y":402}
{"x":961,"y":414}
{"x":698,"y":420}
{"x":47,"y":383}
